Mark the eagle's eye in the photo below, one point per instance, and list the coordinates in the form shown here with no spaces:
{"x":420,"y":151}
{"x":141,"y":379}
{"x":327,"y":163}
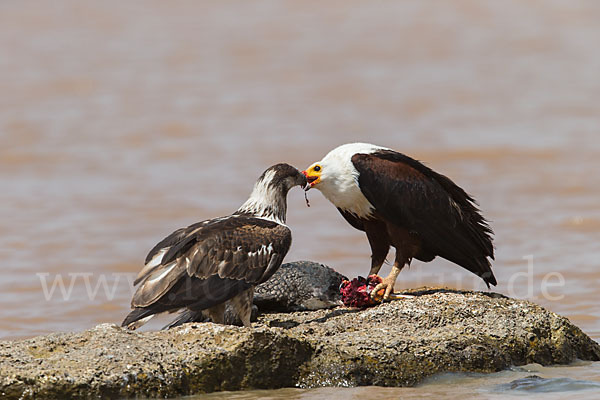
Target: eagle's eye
{"x":317,"y":168}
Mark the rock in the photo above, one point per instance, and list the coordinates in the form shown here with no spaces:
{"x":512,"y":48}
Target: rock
{"x":393,"y":344}
{"x":402,"y":342}
{"x":112,"y":362}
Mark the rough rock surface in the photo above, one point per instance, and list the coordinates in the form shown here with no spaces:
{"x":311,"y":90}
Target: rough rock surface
{"x":394,"y":344}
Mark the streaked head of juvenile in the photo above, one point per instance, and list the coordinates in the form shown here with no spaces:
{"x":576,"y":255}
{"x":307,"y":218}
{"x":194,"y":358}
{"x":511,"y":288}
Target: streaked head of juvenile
{"x":282,"y":177}
{"x":268,"y":197}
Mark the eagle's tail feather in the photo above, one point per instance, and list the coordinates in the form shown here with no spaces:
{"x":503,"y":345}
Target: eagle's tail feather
{"x":481,"y":267}
{"x":186,"y":316}
{"x":137,"y":318}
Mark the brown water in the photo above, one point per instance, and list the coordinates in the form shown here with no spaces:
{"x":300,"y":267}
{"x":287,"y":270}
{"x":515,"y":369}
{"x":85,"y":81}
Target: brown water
{"x":120,"y":122}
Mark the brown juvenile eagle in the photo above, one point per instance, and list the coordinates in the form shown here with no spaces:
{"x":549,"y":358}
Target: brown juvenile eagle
{"x":397,"y":201}
{"x":203,"y":266}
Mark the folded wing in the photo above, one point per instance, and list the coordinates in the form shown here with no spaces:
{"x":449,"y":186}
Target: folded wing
{"x":208,"y":263}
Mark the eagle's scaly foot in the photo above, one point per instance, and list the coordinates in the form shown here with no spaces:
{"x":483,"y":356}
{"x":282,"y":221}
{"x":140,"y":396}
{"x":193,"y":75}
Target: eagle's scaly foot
{"x":387,"y":283}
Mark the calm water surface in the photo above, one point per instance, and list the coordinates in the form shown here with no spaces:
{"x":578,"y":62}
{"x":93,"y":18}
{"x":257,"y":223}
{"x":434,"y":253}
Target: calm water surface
{"x":121,"y":122}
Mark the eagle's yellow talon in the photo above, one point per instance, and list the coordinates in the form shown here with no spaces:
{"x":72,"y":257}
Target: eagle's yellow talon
{"x":375,"y":295}
{"x":388,"y":291}
{"x":383,"y":290}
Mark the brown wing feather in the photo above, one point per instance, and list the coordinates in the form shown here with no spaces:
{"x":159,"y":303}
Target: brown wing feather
{"x":156,"y":284}
{"x":352,"y":219}
{"x":430,"y":205}
{"x":233,"y":248}
{"x":156,"y":255}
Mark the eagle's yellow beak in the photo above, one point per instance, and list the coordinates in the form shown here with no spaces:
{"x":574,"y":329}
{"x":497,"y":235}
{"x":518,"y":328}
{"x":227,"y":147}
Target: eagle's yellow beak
{"x":313,"y":175}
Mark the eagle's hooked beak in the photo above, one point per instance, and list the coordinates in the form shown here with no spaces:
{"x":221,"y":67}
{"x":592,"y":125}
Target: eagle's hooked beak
{"x":311,"y":179}
{"x":307,"y":186}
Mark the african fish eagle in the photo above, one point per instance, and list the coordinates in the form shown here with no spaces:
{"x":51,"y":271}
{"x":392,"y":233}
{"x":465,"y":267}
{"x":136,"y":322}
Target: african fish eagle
{"x":203,"y":266}
{"x":398,"y":201}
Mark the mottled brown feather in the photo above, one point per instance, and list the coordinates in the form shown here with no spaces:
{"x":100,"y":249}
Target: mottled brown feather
{"x":220,"y":247}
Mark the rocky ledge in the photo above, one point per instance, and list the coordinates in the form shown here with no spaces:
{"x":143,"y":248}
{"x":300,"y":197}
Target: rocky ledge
{"x":394,"y":344}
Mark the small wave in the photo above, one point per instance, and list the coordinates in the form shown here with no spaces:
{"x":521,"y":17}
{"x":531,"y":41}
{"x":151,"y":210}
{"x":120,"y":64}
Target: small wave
{"x":581,"y":224}
{"x":537,"y":384}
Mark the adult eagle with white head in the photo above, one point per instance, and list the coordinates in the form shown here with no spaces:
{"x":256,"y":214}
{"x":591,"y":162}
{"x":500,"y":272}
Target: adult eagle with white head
{"x":398,"y":201}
